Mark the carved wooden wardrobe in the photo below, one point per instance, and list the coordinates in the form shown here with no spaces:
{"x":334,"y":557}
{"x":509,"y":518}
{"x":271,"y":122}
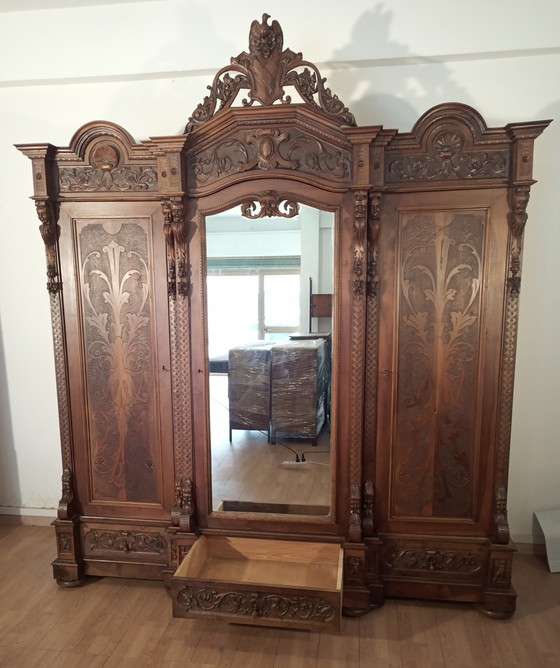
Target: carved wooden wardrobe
{"x":426,"y":253}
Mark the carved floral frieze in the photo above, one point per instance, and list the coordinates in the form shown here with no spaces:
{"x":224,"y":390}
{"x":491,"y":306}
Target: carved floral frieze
{"x":447,"y":160}
{"x":431,"y":559}
{"x":125,"y":541}
{"x":268,"y":149}
{"x":92,"y":179}
{"x":256,"y":604}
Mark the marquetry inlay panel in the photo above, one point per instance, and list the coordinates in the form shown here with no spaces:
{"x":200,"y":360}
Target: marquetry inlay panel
{"x":118,"y":325}
{"x":441,"y":257}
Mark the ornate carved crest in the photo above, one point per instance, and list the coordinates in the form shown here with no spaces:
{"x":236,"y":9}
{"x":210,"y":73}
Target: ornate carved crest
{"x":264,"y":71}
{"x":269,"y":204}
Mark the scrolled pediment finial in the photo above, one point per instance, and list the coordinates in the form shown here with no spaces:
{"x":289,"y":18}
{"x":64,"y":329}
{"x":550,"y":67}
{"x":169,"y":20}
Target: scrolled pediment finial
{"x":264,"y":71}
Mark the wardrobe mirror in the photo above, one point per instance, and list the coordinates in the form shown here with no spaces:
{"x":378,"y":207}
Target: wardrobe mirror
{"x":269,"y":306}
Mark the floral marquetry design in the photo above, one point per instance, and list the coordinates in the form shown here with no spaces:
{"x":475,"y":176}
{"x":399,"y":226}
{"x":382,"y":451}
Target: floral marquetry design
{"x":119,"y":365}
{"x":440,"y":295}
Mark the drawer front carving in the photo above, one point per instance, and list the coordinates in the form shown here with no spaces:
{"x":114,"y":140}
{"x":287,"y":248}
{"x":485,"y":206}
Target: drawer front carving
{"x":130,"y":544}
{"x":413,"y":559}
{"x":255,"y":605}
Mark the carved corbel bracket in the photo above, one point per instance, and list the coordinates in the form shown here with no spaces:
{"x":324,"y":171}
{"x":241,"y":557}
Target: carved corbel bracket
{"x":372,"y":252}
{"x":50,"y":231}
{"x":175,"y":230}
{"x":67,"y":497}
{"x":500,"y":516}
{"x":518,"y":197}
{"x":183,"y":507}
{"x":359,"y":241}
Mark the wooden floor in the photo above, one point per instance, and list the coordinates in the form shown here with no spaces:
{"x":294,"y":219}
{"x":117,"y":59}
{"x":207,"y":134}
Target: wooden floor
{"x":250,"y":469}
{"x":126,"y":623}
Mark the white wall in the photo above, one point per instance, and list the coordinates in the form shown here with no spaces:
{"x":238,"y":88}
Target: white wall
{"x":145,"y":65}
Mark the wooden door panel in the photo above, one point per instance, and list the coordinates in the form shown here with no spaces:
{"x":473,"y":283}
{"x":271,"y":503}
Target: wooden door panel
{"x":438,"y":357}
{"x":119,"y":353}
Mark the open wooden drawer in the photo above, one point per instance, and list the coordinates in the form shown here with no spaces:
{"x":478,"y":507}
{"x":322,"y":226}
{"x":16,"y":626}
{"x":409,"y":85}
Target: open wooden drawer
{"x":265,"y":582}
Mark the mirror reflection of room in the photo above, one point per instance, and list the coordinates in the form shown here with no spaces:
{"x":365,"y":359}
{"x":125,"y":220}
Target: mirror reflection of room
{"x":269,"y":297}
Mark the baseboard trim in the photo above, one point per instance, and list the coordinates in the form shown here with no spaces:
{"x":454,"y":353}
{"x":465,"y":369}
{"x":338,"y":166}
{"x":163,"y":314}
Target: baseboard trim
{"x":534,"y":549}
{"x":34,"y":517}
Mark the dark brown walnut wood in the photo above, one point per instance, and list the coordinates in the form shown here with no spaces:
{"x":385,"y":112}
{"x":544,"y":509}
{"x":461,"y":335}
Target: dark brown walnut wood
{"x":429,"y":228}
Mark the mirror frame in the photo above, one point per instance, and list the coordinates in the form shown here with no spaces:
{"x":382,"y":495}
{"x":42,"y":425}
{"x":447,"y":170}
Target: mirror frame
{"x":202,"y":208}
{"x":266,"y":153}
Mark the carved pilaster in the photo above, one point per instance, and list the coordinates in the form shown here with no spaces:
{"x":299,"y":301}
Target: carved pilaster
{"x":175,"y":230}
{"x":518,"y":197}
{"x":372,"y":334}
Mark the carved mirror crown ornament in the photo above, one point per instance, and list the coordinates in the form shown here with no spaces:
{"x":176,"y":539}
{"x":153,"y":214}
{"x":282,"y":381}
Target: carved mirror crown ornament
{"x":426,"y":229}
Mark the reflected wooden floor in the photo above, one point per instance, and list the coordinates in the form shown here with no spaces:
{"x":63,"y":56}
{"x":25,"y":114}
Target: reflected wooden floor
{"x":122,"y":623}
{"x":250,"y":469}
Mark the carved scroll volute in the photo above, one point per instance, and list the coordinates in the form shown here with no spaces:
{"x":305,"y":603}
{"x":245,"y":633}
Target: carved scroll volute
{"x":67,"y":497}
